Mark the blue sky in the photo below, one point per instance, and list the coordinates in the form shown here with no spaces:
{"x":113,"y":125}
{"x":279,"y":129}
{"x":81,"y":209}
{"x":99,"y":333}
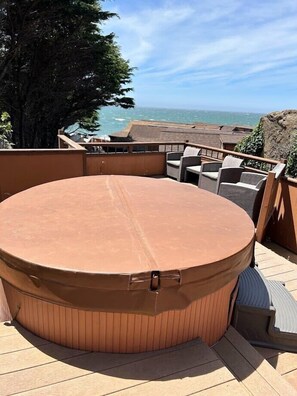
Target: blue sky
{"x":234,"y":55}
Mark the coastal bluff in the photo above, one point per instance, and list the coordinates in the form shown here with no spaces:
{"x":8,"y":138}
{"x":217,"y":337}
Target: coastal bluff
{"x":279,"y":129}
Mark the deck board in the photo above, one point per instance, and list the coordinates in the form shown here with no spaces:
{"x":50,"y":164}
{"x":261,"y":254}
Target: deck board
{"x":291,"y":378}
{"x":231,"y":388}
{"x":285,"y":362}
{"x":243,"y":370}
{"x":35,"y":356}
{"x":14,"y":343}
{"x":49,"y":369}
{"x":179,"y":383}
{"x":197,"y":379}
{"x":291,"y":285}
{"x":254,"y":372}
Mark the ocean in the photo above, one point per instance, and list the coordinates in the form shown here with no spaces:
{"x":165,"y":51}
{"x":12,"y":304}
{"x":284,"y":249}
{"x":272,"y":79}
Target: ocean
{"x":114,"y":119}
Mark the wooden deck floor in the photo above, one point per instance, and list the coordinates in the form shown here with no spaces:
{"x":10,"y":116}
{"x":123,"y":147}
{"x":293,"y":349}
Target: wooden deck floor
{"x":30,"y":365}
{"x":275,"y":267}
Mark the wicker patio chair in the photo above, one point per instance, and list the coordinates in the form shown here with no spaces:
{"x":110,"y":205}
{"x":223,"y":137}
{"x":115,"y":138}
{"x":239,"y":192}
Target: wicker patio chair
{"x":247,"y":193}
{"x":177,"y":162}
{"x":214,"y":173}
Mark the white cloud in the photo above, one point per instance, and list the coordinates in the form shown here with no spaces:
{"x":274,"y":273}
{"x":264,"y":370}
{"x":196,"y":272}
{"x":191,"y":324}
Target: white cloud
{"x":216,"y":40}
{"x":143,"y":35}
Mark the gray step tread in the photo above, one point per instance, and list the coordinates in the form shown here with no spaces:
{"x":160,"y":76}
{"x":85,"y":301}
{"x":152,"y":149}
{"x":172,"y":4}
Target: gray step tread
{"x":286,"y":308}
{"x":254,"y":290}
{"x":265,"y":312}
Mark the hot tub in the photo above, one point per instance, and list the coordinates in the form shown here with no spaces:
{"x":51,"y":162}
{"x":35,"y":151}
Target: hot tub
{"x":122,"y":263}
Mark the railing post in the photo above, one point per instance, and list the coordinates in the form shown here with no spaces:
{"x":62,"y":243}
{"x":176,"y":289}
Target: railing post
{"x":268,"y":201}
{"x":265,"y":207}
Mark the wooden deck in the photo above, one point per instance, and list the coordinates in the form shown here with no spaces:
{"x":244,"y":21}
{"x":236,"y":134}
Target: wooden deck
{"x":30,"y":365}
{"x":275,"y":267}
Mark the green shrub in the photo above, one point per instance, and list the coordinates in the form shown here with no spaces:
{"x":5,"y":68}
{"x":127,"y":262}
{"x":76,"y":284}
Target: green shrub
{"x":292,"y":158}
{"x":5,"y":131}
{"x":253,"y":144}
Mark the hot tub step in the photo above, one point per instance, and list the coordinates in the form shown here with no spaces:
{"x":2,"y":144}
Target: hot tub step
{"x":286,"y":310}
{"x":265,"y":313}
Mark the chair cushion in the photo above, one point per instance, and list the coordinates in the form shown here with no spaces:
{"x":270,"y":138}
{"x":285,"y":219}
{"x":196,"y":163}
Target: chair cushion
{"x":191,"y":152}
{"x":174,"y":163}
{"x":211,"y":175}
{"x":194,"y":169}
{"x":231,"y":162}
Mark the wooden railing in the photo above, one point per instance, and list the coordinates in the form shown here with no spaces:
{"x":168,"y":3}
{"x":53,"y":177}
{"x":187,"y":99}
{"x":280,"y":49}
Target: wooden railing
{"x":214,"y":153}
{"x":208,"y":152}
{"x":283,"y":225}
{"x":269,"y":200}
{"x":65,"y":143}
{"x":132,"y":147}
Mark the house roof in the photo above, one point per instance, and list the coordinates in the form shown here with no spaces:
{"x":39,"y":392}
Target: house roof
{"x":199,"y":133}
{"x":231,"y":138}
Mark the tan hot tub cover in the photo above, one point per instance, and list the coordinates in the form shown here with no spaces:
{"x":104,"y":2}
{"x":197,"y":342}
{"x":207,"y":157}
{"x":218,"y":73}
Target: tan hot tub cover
{"x":122,"y":243}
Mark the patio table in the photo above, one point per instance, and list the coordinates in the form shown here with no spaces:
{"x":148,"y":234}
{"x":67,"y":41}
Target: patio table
{"x":122,"y":263}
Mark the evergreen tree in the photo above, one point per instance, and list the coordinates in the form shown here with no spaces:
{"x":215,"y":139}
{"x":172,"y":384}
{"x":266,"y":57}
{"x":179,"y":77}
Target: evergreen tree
{"x":5,"y":131}
{"x":57,"y":68}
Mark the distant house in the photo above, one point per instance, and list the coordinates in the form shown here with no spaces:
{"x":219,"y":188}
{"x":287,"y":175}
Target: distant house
{"x":80,"y":136}
{"x":228,"y":142}
{"x":85,"y":137}
{"x":220,"y":136}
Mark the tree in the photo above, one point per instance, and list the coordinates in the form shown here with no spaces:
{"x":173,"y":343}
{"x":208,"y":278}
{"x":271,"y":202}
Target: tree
{"x":5,"y":131}
{"x":253,"y":144}
{"x":57,"y":68}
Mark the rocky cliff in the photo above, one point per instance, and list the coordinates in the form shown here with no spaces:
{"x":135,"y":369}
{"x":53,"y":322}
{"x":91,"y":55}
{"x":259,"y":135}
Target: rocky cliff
{"x":279,"y":129}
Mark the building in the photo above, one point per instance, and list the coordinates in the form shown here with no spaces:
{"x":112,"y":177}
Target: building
{"x":219,"y":136}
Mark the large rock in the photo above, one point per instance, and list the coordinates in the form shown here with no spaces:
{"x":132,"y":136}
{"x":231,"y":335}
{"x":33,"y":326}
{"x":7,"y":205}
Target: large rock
{"x":278,"y":130}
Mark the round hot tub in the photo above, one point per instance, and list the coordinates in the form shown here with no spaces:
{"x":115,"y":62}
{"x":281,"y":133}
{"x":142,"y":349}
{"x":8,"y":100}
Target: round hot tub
{"x":122,"y":263}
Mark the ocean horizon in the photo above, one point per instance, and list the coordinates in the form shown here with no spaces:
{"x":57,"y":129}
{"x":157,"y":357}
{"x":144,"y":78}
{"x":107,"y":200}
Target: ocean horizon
{"x":115,"y":119}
